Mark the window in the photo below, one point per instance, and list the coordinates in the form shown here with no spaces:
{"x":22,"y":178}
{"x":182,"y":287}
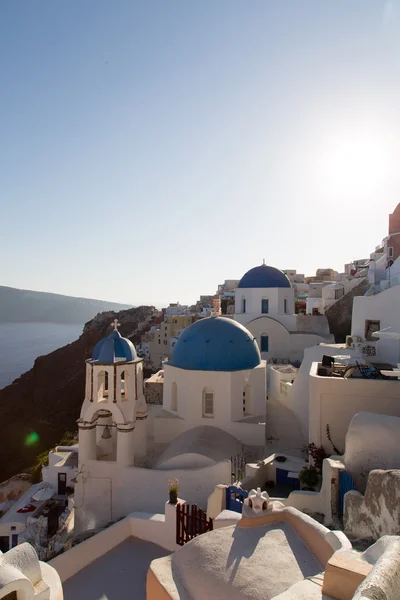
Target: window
{"x":390,"y":251}
{"x":102,"y":386}
{"x":264,"y":343}
{"x":174,"y":396}
{"x":243,"y":305}
{"x":159,"y":341}
{"x":370,"y":327}
{"x":124,"y":385}
{"x":208,"y":403}
{"x":285,"y":305}
{"x":264,"y":305}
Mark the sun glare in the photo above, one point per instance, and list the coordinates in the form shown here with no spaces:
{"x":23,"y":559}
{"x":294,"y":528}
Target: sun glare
{"x":354,"y":165}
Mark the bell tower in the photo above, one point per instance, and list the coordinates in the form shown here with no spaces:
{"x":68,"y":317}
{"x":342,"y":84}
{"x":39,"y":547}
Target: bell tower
{"x":112,"y":424}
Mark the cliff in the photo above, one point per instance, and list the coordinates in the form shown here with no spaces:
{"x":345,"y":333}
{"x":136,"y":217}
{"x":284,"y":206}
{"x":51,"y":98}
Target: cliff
{"x":47,"y":399}
{"x":27,"y":306}
{"x":340,"y":313}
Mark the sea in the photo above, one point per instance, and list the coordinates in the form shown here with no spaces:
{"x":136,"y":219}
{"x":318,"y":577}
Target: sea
{"x":21,"y":343}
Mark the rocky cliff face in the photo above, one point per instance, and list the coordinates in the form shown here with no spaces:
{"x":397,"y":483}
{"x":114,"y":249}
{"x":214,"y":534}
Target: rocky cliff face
{"x":339,"y":314}
{"x":39,"y":407}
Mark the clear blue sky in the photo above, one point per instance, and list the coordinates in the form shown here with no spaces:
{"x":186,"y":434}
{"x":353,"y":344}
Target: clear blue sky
{"x":149,"y":150}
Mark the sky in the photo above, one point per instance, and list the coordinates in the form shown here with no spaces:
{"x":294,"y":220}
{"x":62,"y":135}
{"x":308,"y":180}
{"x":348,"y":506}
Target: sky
{"x":151,"y":149}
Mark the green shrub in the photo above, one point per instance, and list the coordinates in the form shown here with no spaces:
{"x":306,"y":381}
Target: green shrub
{"x":309,"y":477}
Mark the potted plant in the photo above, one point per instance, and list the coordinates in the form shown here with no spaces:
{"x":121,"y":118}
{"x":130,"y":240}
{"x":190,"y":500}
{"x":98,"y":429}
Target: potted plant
{"x":309,"y":478}
{"x":173,"y":485}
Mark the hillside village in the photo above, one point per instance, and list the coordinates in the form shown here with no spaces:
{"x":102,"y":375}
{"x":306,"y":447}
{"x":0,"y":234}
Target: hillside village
{"x":246,"y":446}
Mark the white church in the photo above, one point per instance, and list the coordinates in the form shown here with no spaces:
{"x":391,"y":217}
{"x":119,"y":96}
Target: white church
{"x":264,"y":303}
{"x":213,"y":408}
{"x":214,"y":404}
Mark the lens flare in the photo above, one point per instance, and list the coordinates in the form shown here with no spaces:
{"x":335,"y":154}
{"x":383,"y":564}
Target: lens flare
{"x":31,"y":439}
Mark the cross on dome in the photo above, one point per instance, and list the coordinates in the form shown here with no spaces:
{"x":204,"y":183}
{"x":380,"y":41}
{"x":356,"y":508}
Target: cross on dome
{"x":115,"y":324}
{"x":263,"y":261}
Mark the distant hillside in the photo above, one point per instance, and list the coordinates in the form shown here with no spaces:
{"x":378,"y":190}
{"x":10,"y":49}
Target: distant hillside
{"x":24,"y":306}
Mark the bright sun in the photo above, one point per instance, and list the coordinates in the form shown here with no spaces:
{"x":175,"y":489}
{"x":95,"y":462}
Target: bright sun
{"x":353,"y":166}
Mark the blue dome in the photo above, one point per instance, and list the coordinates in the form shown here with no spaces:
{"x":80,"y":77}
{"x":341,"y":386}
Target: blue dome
{"x":216,"y":344}
{"x":114,"y":349}
{"x":264,"y":277}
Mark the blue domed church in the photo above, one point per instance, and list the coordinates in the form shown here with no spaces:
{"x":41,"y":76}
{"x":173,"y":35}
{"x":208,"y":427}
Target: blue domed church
{"x":264,"y":303}
{"x":216,"y":377}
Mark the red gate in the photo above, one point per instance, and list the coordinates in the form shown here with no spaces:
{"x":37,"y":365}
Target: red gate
{"x":191,"y":521}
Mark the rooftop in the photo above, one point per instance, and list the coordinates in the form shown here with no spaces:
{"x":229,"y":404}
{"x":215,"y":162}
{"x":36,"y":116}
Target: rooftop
{"x":13,"y":516}
{"x":216,"y":344}
{"x":120,"y":573}
{"x":264,"y":277}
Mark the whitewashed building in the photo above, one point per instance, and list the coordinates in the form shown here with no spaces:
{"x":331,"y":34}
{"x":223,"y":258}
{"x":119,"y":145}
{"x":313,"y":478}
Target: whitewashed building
{"x":216,"y":377}
{"x":264,"y":303}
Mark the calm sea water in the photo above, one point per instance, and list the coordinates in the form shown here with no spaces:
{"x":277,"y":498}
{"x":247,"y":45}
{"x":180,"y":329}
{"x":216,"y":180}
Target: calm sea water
{"x":21,"y":343}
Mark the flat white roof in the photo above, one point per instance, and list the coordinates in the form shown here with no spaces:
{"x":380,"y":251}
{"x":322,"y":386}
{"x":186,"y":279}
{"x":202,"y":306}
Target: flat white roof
{"x":120,"y":573}
{"x":13,"y":516}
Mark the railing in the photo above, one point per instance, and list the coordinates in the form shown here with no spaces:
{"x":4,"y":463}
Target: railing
{"x":238,"y":463}
{"x":191,"y":521}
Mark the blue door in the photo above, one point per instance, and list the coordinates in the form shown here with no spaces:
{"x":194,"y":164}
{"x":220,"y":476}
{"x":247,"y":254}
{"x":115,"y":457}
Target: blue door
{"x":282,"y":478}
{"x":14,"y":540}
{"x":235,"y":497}
{"x":346,"y":484}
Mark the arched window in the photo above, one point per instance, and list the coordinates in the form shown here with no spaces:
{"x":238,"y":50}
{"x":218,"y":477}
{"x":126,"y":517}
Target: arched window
{"x":102,"y":386}
{"x":208,"y":403}
{"x":243,"y":304}
{"x":264,"y":342}
{"x":247,"y":400}
{"x":174,"y":396}
{"x":285,"y":305}
{"x":264,"y":306}
{"x":124,"y":385}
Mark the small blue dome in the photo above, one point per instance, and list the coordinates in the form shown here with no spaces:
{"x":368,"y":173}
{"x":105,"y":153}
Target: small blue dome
{"x":216,"y":344}
{"x":114,"y":349}
{"x":264,"y":277}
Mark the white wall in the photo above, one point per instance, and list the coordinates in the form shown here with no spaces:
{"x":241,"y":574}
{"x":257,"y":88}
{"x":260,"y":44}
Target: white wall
{"x":282,"y":343}
{"x":393,"y":273}
{"x":107,"y":491}
{"x":335,"y":400}
{"x":275,"y":377}
{"x":157,"y":528}
{"x":313,"y":303}
{"x":50,"y":475}
{"x":383,"y":307}
{"x":319,"y":502}
{"x":228,"y":390}
{"x":298,"y":399}
{"x":372,"y":442}
{"x":275,"y":296}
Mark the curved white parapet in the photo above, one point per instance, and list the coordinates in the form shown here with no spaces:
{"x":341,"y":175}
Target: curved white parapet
{"x":22,"y":572}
